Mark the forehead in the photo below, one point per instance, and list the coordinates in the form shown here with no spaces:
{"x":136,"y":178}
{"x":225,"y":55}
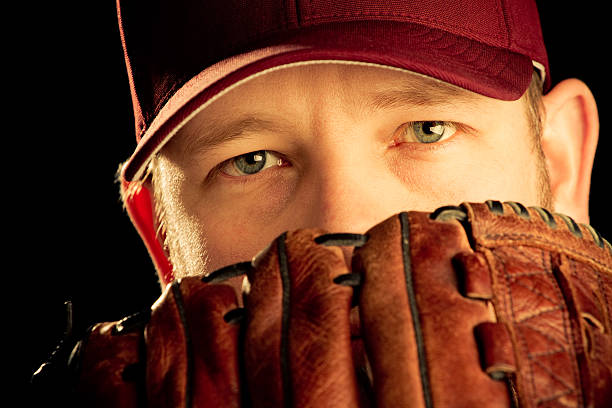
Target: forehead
{"x":370,"y":83}
{"x":273,"y":99}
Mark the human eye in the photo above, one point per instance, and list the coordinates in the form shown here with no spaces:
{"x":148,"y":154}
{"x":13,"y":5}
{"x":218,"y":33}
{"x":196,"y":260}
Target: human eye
{"x":251,"y":163}
{"x":430,"y":131}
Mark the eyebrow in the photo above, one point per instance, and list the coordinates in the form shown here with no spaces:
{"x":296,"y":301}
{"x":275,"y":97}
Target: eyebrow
{"x":427,"y":93}
{"x":214,"y":133}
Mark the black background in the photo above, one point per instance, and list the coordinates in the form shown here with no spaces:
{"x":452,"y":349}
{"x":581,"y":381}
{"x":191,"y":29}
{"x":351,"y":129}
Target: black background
{"x":70,"y":125}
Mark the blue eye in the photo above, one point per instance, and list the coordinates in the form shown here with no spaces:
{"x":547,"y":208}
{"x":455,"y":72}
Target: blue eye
{"x":428,"y":131}
{"x":251,"y":163}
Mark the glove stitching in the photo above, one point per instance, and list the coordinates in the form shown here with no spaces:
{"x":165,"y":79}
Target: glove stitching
{"x":551,"y":263}
{"x":594,"y":294}
{"x":597,"y":238}
{"x":509,"y":307}
{"x":569,"y":389}
{"x":414,"y":311}
{"x":178,"y":297}
{"x":603,"y":292}
{"x":511,"y":380}
{"x":538,"y":240}
{"x":598,"y":294}
{"x":553,"y":375}
{"x":540,"y":312}
{"x":544,"y":334}
{"x":496,"y":208}
{"x":228,"y":272}
{"x":554,"y":397}
{"x":528,"y":274}
{"x":547,"y":353}
{"x":578,"y":339}
{"x":342,"y":239}
{"x":519,"y":209}
{"x":538,"y":292}
{"x":286,"y":303}
{"x":571,"y":225}
{"x":568,"y":327}
{"x":545,"y":265}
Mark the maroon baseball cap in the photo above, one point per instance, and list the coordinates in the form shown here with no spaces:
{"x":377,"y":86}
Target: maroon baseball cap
{"x":183,"y":54}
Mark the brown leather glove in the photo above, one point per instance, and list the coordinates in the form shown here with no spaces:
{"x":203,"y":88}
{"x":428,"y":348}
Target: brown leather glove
{"x":487,"y":304}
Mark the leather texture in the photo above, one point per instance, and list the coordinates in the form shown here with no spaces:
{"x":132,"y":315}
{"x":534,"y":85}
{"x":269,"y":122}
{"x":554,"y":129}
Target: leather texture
{"x":484,"y":304}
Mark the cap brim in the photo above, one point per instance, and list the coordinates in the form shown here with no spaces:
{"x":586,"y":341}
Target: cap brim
{"x":472,"y":65}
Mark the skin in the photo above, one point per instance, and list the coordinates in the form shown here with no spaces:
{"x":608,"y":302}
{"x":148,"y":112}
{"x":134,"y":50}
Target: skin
{"x":340,"y":165}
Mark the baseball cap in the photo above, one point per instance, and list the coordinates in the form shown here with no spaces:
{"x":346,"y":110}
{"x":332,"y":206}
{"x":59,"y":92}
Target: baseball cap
{"x":183,"y":54}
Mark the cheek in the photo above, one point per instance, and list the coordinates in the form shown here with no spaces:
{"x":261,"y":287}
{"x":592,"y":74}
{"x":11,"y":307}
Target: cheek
{"x":504,"y":173}
{"x":475,"y":172}
{"x":235,"y":241}
{"x":236,"y":229}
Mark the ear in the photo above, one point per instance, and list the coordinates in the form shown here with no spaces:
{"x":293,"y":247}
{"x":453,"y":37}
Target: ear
{"x":569,"y":140}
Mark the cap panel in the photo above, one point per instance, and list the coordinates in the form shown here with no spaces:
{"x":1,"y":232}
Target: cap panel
{"x":489,"y":71}
{"x":485,"y":46}
{"x":481,"y":20}
{"x":526,"y":33}
{"x":167,"y":42}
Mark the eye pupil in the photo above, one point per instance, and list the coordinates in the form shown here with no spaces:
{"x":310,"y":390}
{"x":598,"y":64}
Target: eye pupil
{"x":429,"y":131}
{"x":251,"y":163}
{"x":432,"y":128}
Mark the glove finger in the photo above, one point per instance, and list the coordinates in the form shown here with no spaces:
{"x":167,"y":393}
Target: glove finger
{"x":297,"y":341}
{"x":192,"y":352}
{"x":552,"y":286}
{"x":386,"y":322}
{"x":110,"y":365}
{"x":417,"y":327}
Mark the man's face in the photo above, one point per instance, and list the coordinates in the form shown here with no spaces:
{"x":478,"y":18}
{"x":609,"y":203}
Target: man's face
{"x":340,"y":147}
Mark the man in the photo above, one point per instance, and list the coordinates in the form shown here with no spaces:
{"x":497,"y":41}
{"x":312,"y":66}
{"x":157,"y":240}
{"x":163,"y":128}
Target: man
{"x":255,"y":120}
{"x":346,"y":132}
{"x":427,"y":144}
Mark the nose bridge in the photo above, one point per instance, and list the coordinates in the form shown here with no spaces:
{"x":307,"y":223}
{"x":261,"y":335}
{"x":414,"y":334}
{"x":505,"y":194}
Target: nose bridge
{"x":352,"y":187}
{"x":348,"y":195}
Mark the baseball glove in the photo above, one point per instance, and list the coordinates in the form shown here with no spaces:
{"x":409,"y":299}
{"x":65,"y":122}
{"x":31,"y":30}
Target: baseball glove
{"x":490,"y":304}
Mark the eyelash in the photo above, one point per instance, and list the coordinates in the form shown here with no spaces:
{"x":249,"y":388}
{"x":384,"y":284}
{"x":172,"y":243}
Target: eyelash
{"x":218,"y":169}
{"x":282,"y":162}
{"x":427,"y":128}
